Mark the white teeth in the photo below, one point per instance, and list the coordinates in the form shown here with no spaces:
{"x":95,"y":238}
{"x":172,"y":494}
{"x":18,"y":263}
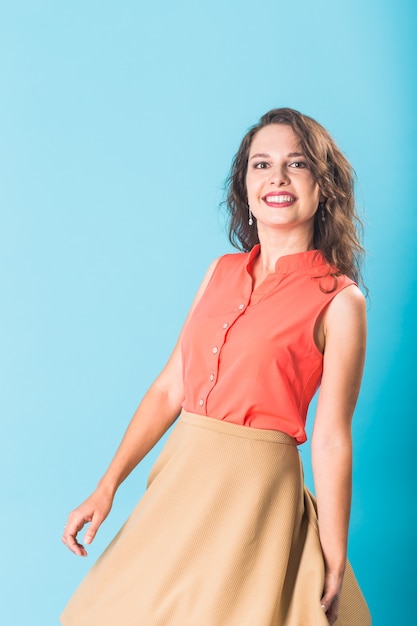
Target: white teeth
{"x":279,"y":199}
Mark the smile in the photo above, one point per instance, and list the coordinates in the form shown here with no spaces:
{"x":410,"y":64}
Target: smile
{"x":279,"y":199}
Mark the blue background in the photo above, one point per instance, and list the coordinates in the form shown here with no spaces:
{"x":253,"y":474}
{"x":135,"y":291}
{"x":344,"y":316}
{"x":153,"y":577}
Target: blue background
{"x":118,"y":122}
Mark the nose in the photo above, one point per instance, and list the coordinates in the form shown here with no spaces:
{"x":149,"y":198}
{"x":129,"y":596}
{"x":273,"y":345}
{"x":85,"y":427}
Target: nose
{"x":279,"y":176}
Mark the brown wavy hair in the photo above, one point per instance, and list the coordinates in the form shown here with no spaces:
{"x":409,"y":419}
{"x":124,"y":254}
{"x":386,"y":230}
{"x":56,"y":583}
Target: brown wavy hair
{"x":338,"y":237}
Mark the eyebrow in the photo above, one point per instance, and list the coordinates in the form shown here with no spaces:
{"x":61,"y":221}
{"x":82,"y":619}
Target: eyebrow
{"x":267,"y":156}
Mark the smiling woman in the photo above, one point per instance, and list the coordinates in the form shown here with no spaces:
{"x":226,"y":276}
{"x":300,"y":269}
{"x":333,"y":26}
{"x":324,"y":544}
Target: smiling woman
{"x":281,"y":191}
{"x":226,"y":533}
{"x":314,"y":149}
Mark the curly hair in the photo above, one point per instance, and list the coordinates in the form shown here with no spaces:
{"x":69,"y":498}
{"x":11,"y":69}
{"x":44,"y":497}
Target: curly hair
{"x":338,"y":236}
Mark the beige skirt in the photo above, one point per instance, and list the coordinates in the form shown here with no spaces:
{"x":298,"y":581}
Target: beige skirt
{"x":225,"y":535}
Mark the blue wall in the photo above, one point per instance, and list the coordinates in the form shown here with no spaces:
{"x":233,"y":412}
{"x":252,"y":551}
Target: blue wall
{"x":118,"y":122}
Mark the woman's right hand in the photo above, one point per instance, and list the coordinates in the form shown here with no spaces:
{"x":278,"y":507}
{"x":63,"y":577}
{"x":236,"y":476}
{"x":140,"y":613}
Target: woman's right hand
{"x":93,"y":511}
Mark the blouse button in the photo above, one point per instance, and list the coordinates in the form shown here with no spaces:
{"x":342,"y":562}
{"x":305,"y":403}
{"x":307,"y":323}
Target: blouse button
{"x":225,"y":325}
{"x":215,"y":350}
{"x":201,"y":402}
{"x":211,"y":376}
{"x":241,"y":306}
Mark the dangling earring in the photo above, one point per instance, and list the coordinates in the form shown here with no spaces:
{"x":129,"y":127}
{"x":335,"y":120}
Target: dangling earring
{"x":323,"y":212}
{"x":250,"y":221}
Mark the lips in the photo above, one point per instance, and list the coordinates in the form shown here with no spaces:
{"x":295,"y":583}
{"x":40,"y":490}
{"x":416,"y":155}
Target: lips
{"x":279,"y":199}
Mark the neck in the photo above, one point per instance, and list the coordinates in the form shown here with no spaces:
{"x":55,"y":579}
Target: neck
{"x":276,"y":245}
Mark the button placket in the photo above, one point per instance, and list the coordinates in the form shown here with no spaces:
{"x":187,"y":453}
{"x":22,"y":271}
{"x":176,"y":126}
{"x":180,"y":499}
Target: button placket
{"x":220,"y":338}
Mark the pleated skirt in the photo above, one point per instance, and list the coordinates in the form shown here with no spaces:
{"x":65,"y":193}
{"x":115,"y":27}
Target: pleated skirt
{"x":225,"y":535}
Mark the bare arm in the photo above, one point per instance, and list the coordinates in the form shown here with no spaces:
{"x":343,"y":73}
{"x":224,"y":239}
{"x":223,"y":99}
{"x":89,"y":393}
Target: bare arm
{"x":159,"y":408}
{"x":344,"y":331}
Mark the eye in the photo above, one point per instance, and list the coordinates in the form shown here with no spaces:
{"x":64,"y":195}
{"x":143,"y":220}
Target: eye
{"x":298,"y":164}
{"x":260,"y":165}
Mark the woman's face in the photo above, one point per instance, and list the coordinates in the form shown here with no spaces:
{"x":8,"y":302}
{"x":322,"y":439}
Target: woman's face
{"x":282,"y":192}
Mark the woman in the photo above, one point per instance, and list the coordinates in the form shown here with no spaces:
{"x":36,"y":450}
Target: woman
{"x":226,"y":533}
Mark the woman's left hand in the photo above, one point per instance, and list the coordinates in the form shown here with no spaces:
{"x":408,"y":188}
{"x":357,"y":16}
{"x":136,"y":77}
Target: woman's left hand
{"x":331,"y":597}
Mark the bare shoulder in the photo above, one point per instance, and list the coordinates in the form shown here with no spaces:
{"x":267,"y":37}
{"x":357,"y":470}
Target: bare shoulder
{"x":347,"y":308}
{"x":203,"y":285}
{"x":212,"y":267}
{"x":350,"y":296}
{"x":209,"y":273}
{"x":344,"y":323}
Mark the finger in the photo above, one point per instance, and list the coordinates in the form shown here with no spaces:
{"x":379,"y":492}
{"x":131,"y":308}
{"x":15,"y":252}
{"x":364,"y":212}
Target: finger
{"x":75,"y":547}
{"x":331,"y":617}
{"x":330,"y":594}
{"x":71,"y":542}
{"x":333,"y":611}
{"x":329,"y":604}
{"x":93,"y":528}
{"x":326,"y":602}
{"x":71,"y":530}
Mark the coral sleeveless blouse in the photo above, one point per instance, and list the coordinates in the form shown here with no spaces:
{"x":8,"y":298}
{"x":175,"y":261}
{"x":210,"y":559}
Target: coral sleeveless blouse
{"x":249,"y":356}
